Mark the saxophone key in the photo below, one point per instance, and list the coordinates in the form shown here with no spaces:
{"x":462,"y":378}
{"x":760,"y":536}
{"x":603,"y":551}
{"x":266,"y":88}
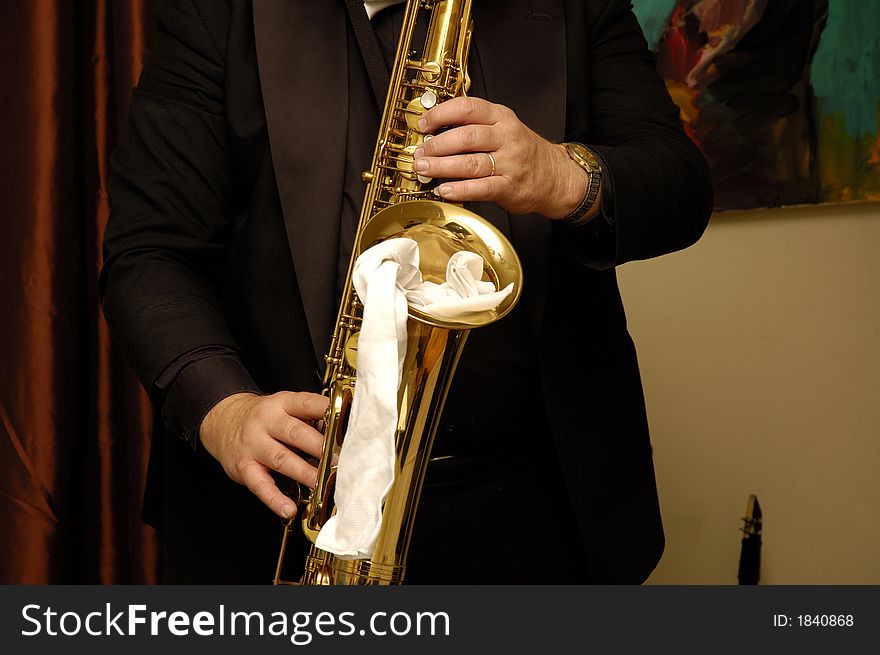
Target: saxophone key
{"x":351,"y":350}
{"x":414,"y":112}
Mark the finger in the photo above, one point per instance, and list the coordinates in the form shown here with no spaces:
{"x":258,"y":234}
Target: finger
{"x":467,"y":138}
{"x":280,"y":458}
{"x":256,"y":478}
{"x":303,"y":405}
{"x":461,"y":167}
{"x":460,"y":111}
{"x":484,"y":188}
{"x":297,"y":434}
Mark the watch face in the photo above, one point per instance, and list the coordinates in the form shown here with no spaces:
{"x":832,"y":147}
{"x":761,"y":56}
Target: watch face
{"x":582,"y":156}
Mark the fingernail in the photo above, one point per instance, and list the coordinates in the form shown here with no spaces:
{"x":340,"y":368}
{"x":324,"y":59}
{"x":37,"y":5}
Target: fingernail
{"x":420,"y":165}
{"x":285,"y":511}
{"x":419,"y":153}
{"x":444,"y":190}
{"x":422,"y":124}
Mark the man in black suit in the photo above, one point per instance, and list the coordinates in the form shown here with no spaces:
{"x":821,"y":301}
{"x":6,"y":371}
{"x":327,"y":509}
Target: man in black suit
{"x":235,"y":194}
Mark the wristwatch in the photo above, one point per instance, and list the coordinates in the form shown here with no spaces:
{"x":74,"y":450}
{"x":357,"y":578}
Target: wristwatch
{"x":582,"y":156}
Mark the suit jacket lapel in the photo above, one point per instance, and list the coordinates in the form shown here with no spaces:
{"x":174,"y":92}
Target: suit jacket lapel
{"x":522,"y":54}
{"x":302,"y":58}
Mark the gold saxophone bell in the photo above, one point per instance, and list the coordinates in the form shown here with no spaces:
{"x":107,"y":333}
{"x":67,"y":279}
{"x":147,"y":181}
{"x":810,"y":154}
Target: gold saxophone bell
{"x":397,"y":205}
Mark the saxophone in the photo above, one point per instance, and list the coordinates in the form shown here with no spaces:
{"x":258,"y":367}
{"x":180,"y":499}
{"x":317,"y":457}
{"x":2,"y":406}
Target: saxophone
{"x":399,"y":203}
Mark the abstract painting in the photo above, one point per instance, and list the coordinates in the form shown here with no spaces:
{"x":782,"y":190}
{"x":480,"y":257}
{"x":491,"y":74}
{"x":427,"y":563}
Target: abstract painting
{"x":782,"y":96}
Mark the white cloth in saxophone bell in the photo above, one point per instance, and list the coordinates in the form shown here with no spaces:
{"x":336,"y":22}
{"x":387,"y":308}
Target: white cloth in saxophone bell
{"x":387,"y":279}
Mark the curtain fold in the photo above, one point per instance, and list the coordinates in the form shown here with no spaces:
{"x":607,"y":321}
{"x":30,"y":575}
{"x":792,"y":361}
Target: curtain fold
{"x":74,"y":423}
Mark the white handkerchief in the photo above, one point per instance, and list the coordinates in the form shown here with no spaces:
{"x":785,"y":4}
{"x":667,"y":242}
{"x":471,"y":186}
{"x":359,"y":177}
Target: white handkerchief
{"x":387,"y":279}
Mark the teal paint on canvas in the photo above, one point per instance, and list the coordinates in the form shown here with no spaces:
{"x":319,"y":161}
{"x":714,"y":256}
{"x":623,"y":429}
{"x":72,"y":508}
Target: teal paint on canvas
{"x":846,"y":68}
{"x":782,"y":96}
{"x":653,"y":16}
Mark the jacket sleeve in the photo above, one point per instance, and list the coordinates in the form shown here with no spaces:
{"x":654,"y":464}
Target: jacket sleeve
{"x":169,"y":222}
{"x":659,"y":192}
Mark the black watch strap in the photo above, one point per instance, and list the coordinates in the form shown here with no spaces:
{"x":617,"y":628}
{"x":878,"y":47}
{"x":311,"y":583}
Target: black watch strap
{"x":586,"y":160}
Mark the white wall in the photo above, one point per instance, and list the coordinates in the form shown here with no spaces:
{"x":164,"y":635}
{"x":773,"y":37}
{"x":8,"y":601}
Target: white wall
{"x":760,"y":355}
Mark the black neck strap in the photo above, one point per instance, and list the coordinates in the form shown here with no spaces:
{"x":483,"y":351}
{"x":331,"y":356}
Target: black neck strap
{"x":370,"y":50}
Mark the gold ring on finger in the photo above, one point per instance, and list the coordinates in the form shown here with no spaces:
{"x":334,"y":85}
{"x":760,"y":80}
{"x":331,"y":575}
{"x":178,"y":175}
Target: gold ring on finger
{"x":492,"y":161}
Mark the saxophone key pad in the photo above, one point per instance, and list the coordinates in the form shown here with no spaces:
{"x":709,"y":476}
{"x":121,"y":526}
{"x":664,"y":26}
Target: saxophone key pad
{"x":429,"y":99}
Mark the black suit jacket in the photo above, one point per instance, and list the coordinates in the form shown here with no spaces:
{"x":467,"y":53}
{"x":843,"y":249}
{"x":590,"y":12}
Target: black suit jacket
{"x":222,"y":242}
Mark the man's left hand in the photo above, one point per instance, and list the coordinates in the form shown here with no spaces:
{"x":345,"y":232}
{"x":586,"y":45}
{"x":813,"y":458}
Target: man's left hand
{"x":531,"y":175}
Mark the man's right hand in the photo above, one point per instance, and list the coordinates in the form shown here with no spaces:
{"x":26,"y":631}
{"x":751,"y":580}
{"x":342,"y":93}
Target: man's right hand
{"x":251,"y":435}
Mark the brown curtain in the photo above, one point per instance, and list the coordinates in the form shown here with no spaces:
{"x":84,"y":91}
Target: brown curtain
{"x":73,"y":421}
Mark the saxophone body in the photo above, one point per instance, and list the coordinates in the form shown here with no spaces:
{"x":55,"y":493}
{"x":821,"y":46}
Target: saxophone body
{"x":399,"y":203}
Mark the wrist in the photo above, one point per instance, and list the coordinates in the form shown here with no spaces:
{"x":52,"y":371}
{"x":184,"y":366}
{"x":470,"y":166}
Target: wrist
{"x":577,"y":186}
{"x":582,"y":158}
{"x":198,"y":387}
{"x":225,"y":412}
{"x":570,"y":187}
